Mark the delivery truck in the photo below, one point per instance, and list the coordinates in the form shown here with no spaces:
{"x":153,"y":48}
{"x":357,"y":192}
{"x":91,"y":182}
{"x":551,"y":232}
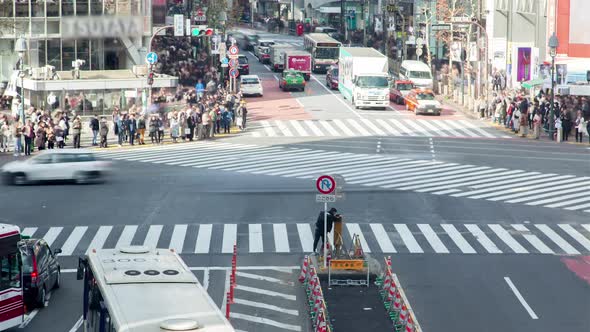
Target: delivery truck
{"x":363,"y":77}
{"x":276,"y":56}
{"x":298,"y":60}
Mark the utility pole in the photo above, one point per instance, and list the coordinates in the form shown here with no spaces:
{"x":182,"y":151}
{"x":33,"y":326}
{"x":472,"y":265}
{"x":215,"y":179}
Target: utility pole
{"x":342,"y":25}
{"x":451,"y":40}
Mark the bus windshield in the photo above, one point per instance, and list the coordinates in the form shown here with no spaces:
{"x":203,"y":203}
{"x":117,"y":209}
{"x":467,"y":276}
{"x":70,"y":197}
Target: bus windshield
{"x":326,"y":53}
{"x":372,"y":82}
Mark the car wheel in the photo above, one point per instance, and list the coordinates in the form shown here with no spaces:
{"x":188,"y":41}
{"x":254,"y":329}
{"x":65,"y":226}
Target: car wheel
{"x":19,"y":179}
{"x":42,"y":297}
{"x":57,"y":280}
{"x":82,"y":177}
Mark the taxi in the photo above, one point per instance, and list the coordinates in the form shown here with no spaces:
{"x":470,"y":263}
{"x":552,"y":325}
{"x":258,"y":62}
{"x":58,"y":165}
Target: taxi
{"x":292,"y":79}
{"x":399,"y":90}
{"x":422,"y":101}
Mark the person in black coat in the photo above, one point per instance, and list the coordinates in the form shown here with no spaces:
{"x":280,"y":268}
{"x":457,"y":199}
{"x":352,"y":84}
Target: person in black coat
{"x":319,"y":227}
{"x":95,"y":126}
{"x":191,"y":122}
{"x":132,"y":127}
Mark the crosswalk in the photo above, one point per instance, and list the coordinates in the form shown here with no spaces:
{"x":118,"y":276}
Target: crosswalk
{"x":284,"y":238}
{"x":514,"y":186}
{"x":373,"y":127}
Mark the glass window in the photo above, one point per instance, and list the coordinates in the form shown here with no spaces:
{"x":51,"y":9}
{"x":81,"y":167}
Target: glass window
{"x":38,"y":26}
{"x":21,"y":27}
{"x":54,"y":53}
{"x":38,"y":8}
{"x":53,"y":26}
{"x":81,"y":7}
{"x":10,"y":274}
{"x":96,"y":7}
{"x":326,"y":52}
{"x":109,"y":7}
{"x":22,"y":8}
{"x":68,"y":54}
{"x":52,"y":8}
{"x":42,"y":159}
{"x":94,"y":55}
{"x":420,"y":74}
{"x":83,"y":48}
{"x":42,"y":53}
{"x":6,"y":9}
{"x":425,"y":96}
{"x":27,"y":257}
{"x":67,"y":7}
{"x":372,"y":82}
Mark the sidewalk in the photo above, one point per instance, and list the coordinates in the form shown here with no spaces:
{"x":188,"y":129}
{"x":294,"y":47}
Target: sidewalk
{"x":448,"y":101}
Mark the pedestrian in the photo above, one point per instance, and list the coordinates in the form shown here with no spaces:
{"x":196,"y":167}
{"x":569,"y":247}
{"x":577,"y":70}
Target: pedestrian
{"x":132,"y":127}
{"x":160,"y":123}
{"x":537,"y":125}
{"x":579,"y":125}
{"x":141,"y":129}
{"x":40,"y":136}
{"x":104,"y":132}
{"x":94,"y":125}
{"x":120,"y":129}
{"x":243,"y":111}
{"x":29,"y":135}
{"x":50,"y":136}
{"x":77,"y":131}
{"x":174,"y":128}
{"x":226,"y":117}
{"x":4,"y":136}
{"x":319,"y":227}
{"x":566,"y":123}
{"x":17,"y":135}
{"x":191,"y":122}
{"x":153,"y":129}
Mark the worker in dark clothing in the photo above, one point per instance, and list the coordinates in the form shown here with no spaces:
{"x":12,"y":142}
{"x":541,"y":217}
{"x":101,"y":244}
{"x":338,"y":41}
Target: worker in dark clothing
{"x":319,"y":227}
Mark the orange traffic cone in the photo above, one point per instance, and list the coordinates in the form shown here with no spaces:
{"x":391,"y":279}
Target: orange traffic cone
{"x":304,"y":266}
{"x":387,"y":281}
{"x":410,"y":325}
{"x":391,"y":293}
{"x":398,"y":301}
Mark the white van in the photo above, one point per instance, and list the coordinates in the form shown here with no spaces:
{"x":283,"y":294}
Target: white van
{"x":418,"y":72}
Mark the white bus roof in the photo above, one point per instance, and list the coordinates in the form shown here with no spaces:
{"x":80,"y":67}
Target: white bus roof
{"x":361,"y":51}
{"x":144,"y":288}
{"x":8,"y":230}
{"x":321,"y":38}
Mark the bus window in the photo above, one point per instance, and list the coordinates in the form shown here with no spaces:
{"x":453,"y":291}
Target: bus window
{"x":10,"y":274}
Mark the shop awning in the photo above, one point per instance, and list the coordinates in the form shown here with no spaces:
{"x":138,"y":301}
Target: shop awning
{"x":532,"y":83}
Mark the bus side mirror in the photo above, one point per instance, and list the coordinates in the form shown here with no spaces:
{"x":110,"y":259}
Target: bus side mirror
{"x":81,"y":267}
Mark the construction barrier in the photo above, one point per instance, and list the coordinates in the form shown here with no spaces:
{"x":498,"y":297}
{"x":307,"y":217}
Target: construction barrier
{"x":318,"y":312}
{"x":395,"y":302}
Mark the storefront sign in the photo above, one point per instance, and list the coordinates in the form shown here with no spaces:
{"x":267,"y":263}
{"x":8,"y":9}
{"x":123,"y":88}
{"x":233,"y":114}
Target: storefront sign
{"x":101,"y":27}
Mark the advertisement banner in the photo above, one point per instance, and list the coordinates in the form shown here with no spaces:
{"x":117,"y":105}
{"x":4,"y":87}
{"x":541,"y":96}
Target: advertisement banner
{"x":523,"y":67}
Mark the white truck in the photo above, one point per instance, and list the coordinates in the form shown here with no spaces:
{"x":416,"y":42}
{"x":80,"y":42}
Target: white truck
{"x":276,"y":56}
{"x":363,"y":77}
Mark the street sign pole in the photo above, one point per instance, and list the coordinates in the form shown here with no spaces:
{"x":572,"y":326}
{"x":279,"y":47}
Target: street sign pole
{"x":326,"y":185}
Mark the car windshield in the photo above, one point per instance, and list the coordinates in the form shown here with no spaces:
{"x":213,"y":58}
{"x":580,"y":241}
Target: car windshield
{"x":242,"y":60}
{"x":266,"y":43}
{"x":326,"y":52}
{"x":372,"y":82}
{"x":265,"y":50}
{"x":334,"y":73}
{"x":250,"y":81}
{"x":425,"y":96}
{"x":420,"y":74}
{"x":293,"y":75}
{"x":405,"y":86}
{"x":27,"y":257}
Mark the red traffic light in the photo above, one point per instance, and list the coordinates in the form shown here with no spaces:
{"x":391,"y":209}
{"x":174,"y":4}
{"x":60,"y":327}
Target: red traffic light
{"x":209,"y":32}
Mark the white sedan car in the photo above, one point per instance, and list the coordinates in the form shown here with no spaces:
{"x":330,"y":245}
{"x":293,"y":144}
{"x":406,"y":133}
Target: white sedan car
{"x":80,"y":166}
{"x":250,"y":85}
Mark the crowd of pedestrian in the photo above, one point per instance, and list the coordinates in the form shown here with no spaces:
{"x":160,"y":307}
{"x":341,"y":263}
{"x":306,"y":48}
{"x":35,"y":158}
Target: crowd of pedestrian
{"x":516,"y":111}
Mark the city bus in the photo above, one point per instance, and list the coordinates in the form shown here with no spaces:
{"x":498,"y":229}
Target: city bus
{"x":324,"y":51}
{"x":12,"y":307}
{"x":139,"y":289}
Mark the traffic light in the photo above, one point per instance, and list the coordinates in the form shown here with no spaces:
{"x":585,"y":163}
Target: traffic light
{"x":202,"y":31}
{"x":151,"y":78}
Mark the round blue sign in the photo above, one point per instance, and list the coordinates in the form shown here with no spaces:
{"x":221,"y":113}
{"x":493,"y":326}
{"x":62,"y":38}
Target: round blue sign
{"x":233,"y":72}
{"x":151,"y":58}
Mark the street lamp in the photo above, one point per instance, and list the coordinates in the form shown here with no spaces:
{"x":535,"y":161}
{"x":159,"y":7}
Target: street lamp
{"x":553,"y":44}
{"x":20,"y":47}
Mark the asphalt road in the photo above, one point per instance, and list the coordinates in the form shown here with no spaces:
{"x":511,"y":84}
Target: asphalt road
{"x":466,"y":264}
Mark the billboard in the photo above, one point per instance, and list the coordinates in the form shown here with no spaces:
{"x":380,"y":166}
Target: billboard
{"x":78,"y":27}
{"x":571,"y":28}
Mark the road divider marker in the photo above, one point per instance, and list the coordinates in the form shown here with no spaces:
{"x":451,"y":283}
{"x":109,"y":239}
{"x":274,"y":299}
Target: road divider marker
{"x":521,"y":298}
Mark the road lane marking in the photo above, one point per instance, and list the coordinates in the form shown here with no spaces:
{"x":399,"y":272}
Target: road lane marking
{"x":354,"y":228}
{"x":382,"y":239}
{"x":458,"y":239}
{"x":373,"y":127}
{"x":306,"y":237}
{"x":402,"y":127}
{"x":553,"y":236}
{"x":266,"y":292}
{"x":483,"y":239}
{"x":576,"y":235}
{"x":266,"y":321}
{"x":264,"y":278}
{"x":337,"y":97}
{"x":100,"y":238}
{"x":313,"y":128}
{"x":52,"y":234}
{"x":177,"y":239}
{"x":29,"y":317}
{"x":206,"y":273}
{"x":408,"y":238}
{"x":70,"y":245}
{"x":284,"y":129}
{"x":433,"y":239}
{"x":388,"y":128}
{"x":533,"y":239}
{"x":340,"y":124}
{"x":299,"y":102}
{"x":255,"y":238}
{"x":230,"y":233}
{"x":508,"y":239}
{"x":329,"y":128}
{"x":298,"y":128}
{"x":126,"y":236}
{"x":29,"y":231}
{"x":269,"y":131}
{"x":267,"y":307}
{"x":153,"y":235}
{"x":354,"y":124}
{"x":520,"y":298}
{"x":204,"y":239}
{"x":77,"y":325}
{"x":281,"y":238}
